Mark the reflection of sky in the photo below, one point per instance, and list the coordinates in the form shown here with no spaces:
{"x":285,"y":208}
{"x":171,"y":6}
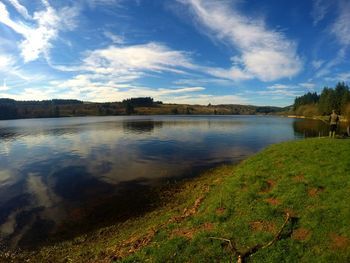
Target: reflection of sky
{"x":48,"y":159}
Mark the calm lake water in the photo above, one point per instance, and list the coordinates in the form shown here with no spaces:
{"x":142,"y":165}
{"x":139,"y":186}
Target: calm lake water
{"x":56,"y":172}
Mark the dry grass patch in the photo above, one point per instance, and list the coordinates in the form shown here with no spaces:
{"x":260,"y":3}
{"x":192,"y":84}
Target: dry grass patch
{"x":190,"y":232}
{"x":299,"y":178}
{"x":301,"y":234}
{"x":273,"y":201}
{"x":263,"y":226}
{"x":339,"y":242}
{"x":220,"y":210}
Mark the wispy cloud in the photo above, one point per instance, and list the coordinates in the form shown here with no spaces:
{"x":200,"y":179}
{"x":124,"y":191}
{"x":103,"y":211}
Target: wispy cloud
{"x":93,"y":87}
{"x":203,"y":81}
{"x":203,"y":99}
{"x":5,"y":62}
{"x":307,"y":85}
{"x":97,"y":87}
{"x":95,"y":3}
{"x":38,"y":36}
{"x":327,"y":67}
{"x":136,"y":59}
{"x":266,"y":54}
{"x":316,"y":64}
{"x":341,"y":27}
{"x":116,"y":39}
{"x":343,"y":76}
{"x":278,"y":87}
{"x":284,"y":91}
{"x":20,"y":9}
{"x":320,"y":10}
{"x":339,"y":30}
{"x":4,"y":87}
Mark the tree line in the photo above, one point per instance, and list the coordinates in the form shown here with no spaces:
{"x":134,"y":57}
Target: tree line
{"x":337,"y":98}
{"x":12,"y":109}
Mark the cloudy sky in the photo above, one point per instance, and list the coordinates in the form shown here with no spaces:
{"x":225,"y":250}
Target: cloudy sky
{"x":179,"y":51}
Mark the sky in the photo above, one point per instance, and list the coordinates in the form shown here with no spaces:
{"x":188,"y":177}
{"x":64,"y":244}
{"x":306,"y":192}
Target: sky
{"x":176,"y":51}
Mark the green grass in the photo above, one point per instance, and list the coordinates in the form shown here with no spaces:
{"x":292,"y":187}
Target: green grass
{"x":247,"y":204}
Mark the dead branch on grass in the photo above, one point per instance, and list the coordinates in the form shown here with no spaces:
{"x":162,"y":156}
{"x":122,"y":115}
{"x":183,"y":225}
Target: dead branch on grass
{"x":241,"y":256}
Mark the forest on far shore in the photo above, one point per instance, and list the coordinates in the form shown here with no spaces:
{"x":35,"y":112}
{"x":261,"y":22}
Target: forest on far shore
{"x":12,"y":109}
{"x":313,"y":104}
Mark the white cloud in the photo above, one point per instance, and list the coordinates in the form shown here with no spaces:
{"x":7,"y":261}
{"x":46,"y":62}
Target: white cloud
{"x":127,"y":63}
{"x":233,"y":73}
{"x":103,"y":3}
{"x":205,"y":99}
{"x":90,"y":88}
{"x":38,"y":41}
{"x":282,"y":93}
{"x":341,"y":27}
{"x":38,"y":37}
{"x":179,"y":90}
{"x":5,"y":19}
{"x":20,"y":9}
{"x":326,"y":67}
{"x":279,"y":87}
{"x":42,"y":93}
{"x":98,"y":90}
{"x":265,"y":54}
{"x":152,"y":57}
{"x":115,"y":38}
{"x":4,"y":87}
{"x":344,"y":76}
{"x":5,"y":62}
{"x":203,"y":81}
{"x":12,"y":72}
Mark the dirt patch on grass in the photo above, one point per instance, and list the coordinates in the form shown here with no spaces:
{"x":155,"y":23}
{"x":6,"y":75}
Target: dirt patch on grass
{"x":187,"y":233}
{"x":312,"y":192}
{"x":263,"y":226}
{"x":208,"y":226}
{"x":339,"y":242}
{"x":270,"y":184}
{"x":190,"y":232}
{"x":299,"y":178}
{"x":273,"y":201}
{"x":301,"y":234}
{"x":220,"y":211}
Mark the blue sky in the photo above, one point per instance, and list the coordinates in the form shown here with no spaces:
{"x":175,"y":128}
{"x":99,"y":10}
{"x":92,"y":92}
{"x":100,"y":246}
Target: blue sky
{"x":177,"y":51}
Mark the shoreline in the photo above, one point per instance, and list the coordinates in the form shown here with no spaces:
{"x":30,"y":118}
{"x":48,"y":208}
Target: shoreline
{"x":198,"y":208}
{"x":320,"y":118}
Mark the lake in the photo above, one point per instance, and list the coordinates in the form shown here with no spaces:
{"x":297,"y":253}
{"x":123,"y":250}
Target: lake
{"x":57,"y":172}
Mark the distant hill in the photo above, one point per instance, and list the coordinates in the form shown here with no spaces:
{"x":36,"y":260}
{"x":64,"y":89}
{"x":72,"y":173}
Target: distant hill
{"x":12,"y":109}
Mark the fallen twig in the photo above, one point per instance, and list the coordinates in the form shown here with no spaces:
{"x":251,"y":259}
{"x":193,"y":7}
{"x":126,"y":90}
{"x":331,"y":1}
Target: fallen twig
{"x":241,"y":256}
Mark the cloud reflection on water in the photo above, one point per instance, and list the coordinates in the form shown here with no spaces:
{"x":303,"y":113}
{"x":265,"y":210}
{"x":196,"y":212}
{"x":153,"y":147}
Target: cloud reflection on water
{"x":57,"y":169}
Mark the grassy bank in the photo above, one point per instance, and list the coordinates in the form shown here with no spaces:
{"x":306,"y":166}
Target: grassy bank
{"x":289,"y":203}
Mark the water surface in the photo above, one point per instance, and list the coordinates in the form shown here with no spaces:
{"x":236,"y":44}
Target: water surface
{"x":54,"y":172}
